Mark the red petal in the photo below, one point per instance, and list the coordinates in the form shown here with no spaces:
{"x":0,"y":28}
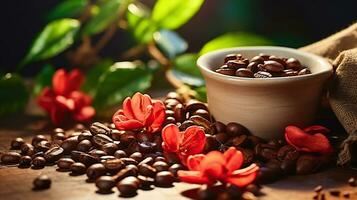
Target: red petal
{"x":193,"y":177}
{"x":80,"y":99}
{"x":149,"y":117}
{"x":171,"y":136}
{"x":46,"y":99}
{"x":193,"y":141}
{"x":234,"y":159}
{"x":85,"y":114}
{"x":213,"y":165}
{"x":136,"y":105}
{"x":159,"y":116}
{"x":130,"y":124}
{"x":64,"y":103}
{"x":59,"y":82}
{"x":128,"y":111}
{"x":58,"y":115}
{"x":243,"y":177}
{"x":302,"y":141}
{"x":75,"y":79}
{"x":316,"y":129}
{"x":194,"y":162}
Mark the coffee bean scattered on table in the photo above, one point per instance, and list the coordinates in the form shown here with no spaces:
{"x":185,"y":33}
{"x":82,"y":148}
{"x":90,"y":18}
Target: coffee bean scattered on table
{"x":42,"y":182}
{"x":261,"y":66}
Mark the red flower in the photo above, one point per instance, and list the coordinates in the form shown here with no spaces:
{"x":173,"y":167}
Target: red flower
{"x":138,"y":112}
{"x":64,"y":101}
{"x":311,"y":139}
{"x":185,"y":143}
{"x":215,"y":166}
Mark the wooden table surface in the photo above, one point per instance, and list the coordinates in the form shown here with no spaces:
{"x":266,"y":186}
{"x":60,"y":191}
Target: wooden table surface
{"x":16,"y":184}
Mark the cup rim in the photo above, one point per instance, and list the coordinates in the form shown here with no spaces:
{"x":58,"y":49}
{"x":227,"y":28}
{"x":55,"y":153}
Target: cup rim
{"x":201,"y":63}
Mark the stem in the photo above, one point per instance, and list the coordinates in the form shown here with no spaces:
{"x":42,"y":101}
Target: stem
{"x":156,"y":54}
{"x":108,"y":34}
{"x":133,"y":52}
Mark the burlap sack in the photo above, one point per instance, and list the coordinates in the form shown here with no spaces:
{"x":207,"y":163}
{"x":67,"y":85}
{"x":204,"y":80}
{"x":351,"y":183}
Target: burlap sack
{"x":341,"y":50}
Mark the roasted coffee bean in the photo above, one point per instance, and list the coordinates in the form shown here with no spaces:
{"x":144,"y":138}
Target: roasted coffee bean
{"x":175,"y":168}
{"x":161,"y":166}
{"x":120,"y":154}
{"x":257,"y":59}
{"x":211,"y":143}
{"x":97,"y":153}
{"x":169,"y":113}
{"x":69,"y":144}
{"x":147,"y":170}
{"x":277,"y":59}
{"x":318,"y":188}
{"x":128,"y":186}
{"x":39,"y":162}
{"x":147,"y":147}
{"x":236,"y":64}
{"x":193,"y":105}
{"x":288,"y":166}
{"x":88,"y":159}
{"x":114,"y":165}
{"x":179,"y":113}
{"x":146,"y":182}
{"x":248,"y":156}
{"x":288,"y":152}
{"x":85,"y":135}
{"x":10,"y":158}
{"x":335,"y":193}
{"x":65,"y":163}
{"x":133,"y":168}
{"x":75,"y":134}
{"x":110,"y":148}
{"x":37,"y":139}
{"x":268,"y":175}
{"x":255,"y":189}
{"x":43,"y":146}
{"x":293,"y":63}
{"x":148,"y":160}
{"x":232,"y":57}
{"x":42,"y":182}
{"x":78,"y":168}
{"x":203,"y":113}
{"x":105,"y":158}
{"x":16,"y":143}
{"x":84,"y":146}
{"x":268,"y":154}
{"x":206,"y":193}
{"x":186,"y":124}
{"x":101,"y":139}
{"x":126,"y":172}
{"x":58,"y":136}
{"x":236,"y":129}
{"x":222,"y":137}
{"x":127,"y":138}
{"x":129,"y":161}
{"x":144,"y":137}
{"x":27,"y":149}
{"x":226,"y":71}
{"x":171,"y":103}
{"x":137,"y":156}
{"x":346,"y":194}
{"x":200,"y":121}
{"x":105,"y":183}
{"x":58,"y":130}
{"x":164,"y":179}
{"x":304,"y":71}
{"x":75,"y":155}
{"x":243,"y":72}
{"x":273,"y":66}
{"x":160,"y":158}
{"x":25,"y":161}
{"x":262,"y":74}
{"x":53,"y":154}
{"x":99,"y":128}
{"x":174,"y":95}
{"x":253,"y":67}
{"x":264,"y":56}
{"x":240,"y":141}
{"x":95,"y":171}
{"x":219,"y":127}
{"x":307,"y":164}
{"x":352,"y":182}
{"x":170,"y":120}
{"x":37,"y":154}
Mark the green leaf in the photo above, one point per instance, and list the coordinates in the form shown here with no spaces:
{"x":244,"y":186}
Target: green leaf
{"x":186,"y":63}
{"x":92,"y":76}
{"x":174,"y":13}
{"x":67,"y":9}
{"x":107,"y":14}
{"x":56,"y":37}
{"x":234,"y":40}
{"x":43,"y":79}
{"x":13,"y":94}
{"x":187,"y":78}
{"x":121,"y":80}
{"x":170,"y":43}
{"x":201,"y":93}
{"x":139,"y":22}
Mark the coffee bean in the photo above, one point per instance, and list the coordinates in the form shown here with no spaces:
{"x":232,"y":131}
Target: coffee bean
{"x":169,"y":120}
{"x":161,"y":166}
{"x":53,"y":154}
{"x":69,"y":144}
{"x":235,"y":129}
{"x":38,"y":154}
{"x":200,"y":121}
{"x":99,"y":128}
{"x":88,"y":159}
{"x":105,"y":183}
{"x":25,"y":161}
{"x":95,"y":171}
{"x":147,"y":170}
{"x":288,"y":166}
{"x":307,"y":164}
{"x":39,"y":162}
{"x":10,"y":158}
{"x":126,"y":172}
{"x":290,"y":73}
{"x":346,"y":194}
{"x":304,"y":71}
{"x":186,"y":124}
{"x":137,"y":156}
{"x":144,"y":137}
{"x":148,"y":160}
{"x":85,"y":135}
{"x":193,"y":105}
{"x":268,"y":175}
{"x":110,"y":148}
{"x":179,"y":113}
{"x":128,"y":186}
{"x":226,"y":71}
{"x":236,"y":64}
{"x":78,"y":168}
{"x":114,"y":165}
{"x":293,"y":63}
{"x":170,"y":113}
{"x":43,"y":146}
{"x":27,"y":149}
{"x":147,"y":147}
{"x":127,"y":138}
{"x":75,"y":155}
{"x":37,"y":139}
{"x":42,"y":182}
{"x":264,"y":56}
{"x":253,"y":67}
{"x":243,"y":72}
{"x":231,"y":57}
{"x":58,"y":136}
{"x":352,"y":182}
{"x":101,"y":139}
{"x":65,"y":163}
{"x":164,"y":179}
{"x":318,"y":188}
{"x":222,"y":137}
{"x":146,"y":182}
{"x":175,"y":168}
{"x":257,"y":59}
{"x":335,"y":193}
{"x":174,"y":95}
{"x":277,"y":59}
{"x":206,"y":193}
{"x":105,"y":158}
{"x":273,"y":66}
{"x":248,"y":156}
{"x":203,"y":113}
{"x":84,"y":146}
{"x":219,"y":127}
{"x":129,"y":161}
{"x":267,"y":154}
{"x":240,"y":141}
{"x":211,"y":143}
{"x":16,"y":143}
{"x":120,"y":154}
{"x":255,"y":189}
{"x":262,"y":74}
{"x":97,"y":153}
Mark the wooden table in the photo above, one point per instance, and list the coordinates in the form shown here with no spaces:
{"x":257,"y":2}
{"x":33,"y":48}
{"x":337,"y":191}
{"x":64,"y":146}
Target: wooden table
{"x":16,"y":184}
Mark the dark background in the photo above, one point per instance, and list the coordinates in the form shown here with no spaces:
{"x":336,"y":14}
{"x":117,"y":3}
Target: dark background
{"x":291,"y":23}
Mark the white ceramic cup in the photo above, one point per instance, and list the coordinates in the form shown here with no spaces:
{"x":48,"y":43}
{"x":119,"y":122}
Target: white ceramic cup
{"x":265,"y":106}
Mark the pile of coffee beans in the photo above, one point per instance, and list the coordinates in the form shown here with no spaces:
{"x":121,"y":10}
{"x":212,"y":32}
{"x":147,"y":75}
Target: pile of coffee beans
{"x":133,"y":160}
{"x":261,"y":66}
